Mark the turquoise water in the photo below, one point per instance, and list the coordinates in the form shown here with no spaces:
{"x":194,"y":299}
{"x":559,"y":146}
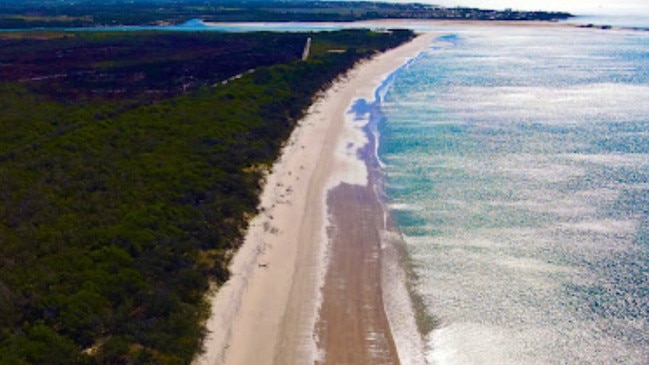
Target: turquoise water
{"x":517,"y":163}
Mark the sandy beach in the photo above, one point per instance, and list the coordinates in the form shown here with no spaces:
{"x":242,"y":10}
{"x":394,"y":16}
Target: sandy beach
{"x":306,"y":285}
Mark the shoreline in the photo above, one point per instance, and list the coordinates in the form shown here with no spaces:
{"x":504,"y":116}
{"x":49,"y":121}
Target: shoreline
{"x":267,"y":312}
{"x":368,"y":315}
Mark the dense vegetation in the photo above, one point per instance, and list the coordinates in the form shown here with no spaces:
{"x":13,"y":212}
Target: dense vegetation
{"x":115,"y":65}
{"x":114,"y":220}
{"x":84,"y":13}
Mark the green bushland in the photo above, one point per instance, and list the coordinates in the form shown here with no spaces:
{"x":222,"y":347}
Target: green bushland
{"x":113,"y":220}
{"x":152,"y":65}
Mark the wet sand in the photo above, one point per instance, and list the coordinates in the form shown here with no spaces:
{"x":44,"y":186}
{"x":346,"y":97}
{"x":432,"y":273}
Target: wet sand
{"x":353,"y":327}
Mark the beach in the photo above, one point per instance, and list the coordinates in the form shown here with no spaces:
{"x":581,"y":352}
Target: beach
{"x":502,"y":227}
{"x":306,"y":284}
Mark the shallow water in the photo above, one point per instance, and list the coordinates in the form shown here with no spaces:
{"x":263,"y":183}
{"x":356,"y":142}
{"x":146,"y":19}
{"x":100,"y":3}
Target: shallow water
{"x":517,"y":165}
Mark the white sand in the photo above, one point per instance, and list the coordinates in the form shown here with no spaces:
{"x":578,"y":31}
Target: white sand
{"x":266,"y":312}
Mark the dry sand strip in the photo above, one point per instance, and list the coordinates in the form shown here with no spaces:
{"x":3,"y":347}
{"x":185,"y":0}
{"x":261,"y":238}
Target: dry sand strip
{"x":267,"y":312}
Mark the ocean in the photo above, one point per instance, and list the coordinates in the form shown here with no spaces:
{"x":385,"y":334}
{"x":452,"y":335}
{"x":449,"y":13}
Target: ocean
{"x":516,"y":164}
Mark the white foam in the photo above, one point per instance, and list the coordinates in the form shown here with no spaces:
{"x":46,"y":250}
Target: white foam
{"x":351,"y":169}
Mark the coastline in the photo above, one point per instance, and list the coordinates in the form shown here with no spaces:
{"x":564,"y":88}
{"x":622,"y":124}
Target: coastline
{"x":269,"y":310}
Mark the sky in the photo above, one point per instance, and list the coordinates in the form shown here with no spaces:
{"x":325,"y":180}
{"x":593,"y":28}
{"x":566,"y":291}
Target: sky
{"x":582,"y":7}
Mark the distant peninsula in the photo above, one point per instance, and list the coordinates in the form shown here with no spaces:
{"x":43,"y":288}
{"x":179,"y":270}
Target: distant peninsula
{"x":86,"y":13}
